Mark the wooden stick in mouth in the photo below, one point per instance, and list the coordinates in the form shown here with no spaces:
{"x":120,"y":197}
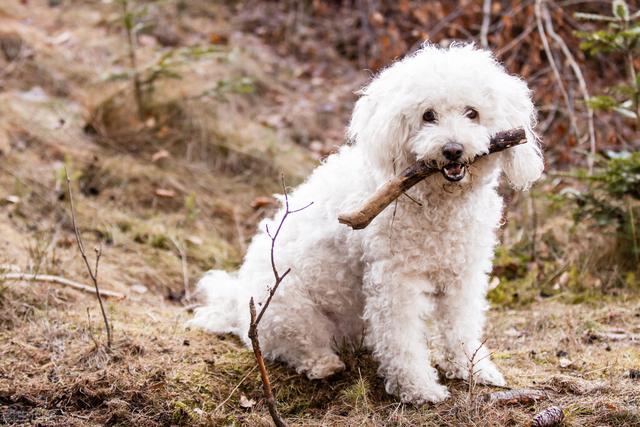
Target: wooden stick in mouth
{"x":412,"y":175}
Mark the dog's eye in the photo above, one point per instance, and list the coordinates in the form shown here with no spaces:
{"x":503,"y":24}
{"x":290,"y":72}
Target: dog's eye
{"x":429,"y":116}
{"x":471,"y":113}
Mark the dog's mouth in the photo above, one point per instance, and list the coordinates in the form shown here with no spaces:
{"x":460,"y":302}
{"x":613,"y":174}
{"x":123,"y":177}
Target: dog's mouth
{"x":454,"y":172}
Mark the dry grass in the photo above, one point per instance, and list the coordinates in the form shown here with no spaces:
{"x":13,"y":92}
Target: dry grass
{"x":222,"y":152}
{"x":160,"y":373}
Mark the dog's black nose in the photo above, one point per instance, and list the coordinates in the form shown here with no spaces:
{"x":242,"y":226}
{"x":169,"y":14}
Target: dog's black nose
{"x":452,"y":151}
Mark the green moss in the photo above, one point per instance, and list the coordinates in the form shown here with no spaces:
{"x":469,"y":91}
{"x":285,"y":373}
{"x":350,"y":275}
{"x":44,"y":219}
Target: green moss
{"x":591,"y":326}
{"x":124,"y":226}
{"x":182,"y":413}
{"x":518,"y":292}
{"x":631,"y":280}
{"x":501,"y":356}
{"x":160,"y":241}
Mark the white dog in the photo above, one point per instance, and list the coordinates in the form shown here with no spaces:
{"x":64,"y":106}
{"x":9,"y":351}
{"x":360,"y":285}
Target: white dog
{"x":414,"y":281}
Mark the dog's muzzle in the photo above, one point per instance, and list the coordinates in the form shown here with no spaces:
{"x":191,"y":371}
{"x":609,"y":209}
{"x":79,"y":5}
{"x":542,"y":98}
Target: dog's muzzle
{"x":453,"y":171}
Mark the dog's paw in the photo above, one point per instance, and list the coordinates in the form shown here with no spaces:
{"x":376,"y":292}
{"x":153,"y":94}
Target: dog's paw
{"x":487,"y":373}
{"x":324,"y":367}
{"x":433,"y":393}
{"x":417,"y":390}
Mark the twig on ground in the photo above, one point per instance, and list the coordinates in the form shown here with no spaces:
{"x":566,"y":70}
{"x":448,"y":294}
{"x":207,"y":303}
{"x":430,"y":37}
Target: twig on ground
{"x":554,"y":67}
{"x":512,"y":397}
{"x":9,"y":267}
{"x":255,"y":318}
{"x":549,"y":417}
{"x":415,"y":173}
{"x":60,"y":281}
{"x":221,"y":404}
{"x":92,"y":273}
{"x":581,"y":83}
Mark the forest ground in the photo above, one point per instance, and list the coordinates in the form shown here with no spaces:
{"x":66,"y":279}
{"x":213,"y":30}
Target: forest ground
{"x":182,"y":191}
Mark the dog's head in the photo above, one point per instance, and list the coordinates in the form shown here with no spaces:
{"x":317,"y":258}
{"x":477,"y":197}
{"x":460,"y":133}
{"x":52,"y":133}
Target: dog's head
{"x":442,"y":106}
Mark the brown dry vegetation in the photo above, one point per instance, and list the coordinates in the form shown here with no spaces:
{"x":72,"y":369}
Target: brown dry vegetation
{"x":196,"y":176}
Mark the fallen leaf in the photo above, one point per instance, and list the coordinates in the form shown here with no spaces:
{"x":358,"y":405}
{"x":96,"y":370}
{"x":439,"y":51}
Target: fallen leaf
{"x":377,"y":18}
{"x":421,"y":14}
{"x":262,"y":201}
{"x":61,"y":38}
{"x":139,"y":288}
{"x":162,"y":132}
{"x":513,"y":397}
{"x":195,"y":240}
{"x":565,"y":362}
{"x":215,"y":38}
{"x":246,"y":403}
{"x":13,"y":199}
{"x":162,"y":154}
{"x":163,"y":192}
{"x":147,"y":40}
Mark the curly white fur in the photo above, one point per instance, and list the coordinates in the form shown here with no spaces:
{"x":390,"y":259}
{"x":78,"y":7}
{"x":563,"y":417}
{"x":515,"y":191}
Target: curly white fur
{"x":415,"y":283}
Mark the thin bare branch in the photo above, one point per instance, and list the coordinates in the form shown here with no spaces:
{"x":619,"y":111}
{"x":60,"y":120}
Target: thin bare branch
{"x":582,"y":84}
{"x":471,"y":368}
{"x":256,"y":317}
{"x":266,"y":383}
{"x":92,"y":274}
{"x":127,"y":18}
{"x":58,"y":280}
{"x":272,"y":292}
{"x":515,"y":42}
{"x":554,"y":67}
{"x":182,"y":252}
{"x":301,"y":209}
{"x":486,"y":20}
{"x":394,"y":188}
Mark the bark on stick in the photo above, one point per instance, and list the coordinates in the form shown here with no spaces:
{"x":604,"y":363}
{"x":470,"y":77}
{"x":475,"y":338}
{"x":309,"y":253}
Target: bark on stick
{"x":415,"y":173}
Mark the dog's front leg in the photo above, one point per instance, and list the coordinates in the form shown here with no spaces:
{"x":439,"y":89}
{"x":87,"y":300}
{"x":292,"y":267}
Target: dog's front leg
{"x":461,"y":311}
{"x":397,"y":310}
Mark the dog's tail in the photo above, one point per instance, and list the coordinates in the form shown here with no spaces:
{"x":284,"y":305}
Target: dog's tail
{"x":227,"y":309}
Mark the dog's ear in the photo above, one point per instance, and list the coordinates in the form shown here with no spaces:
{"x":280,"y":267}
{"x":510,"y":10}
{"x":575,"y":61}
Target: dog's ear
{"x":381,"y":130}
{"x":523,"y":165}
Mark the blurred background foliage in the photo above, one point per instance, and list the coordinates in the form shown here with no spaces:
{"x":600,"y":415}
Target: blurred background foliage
{"x":575,"y":232}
